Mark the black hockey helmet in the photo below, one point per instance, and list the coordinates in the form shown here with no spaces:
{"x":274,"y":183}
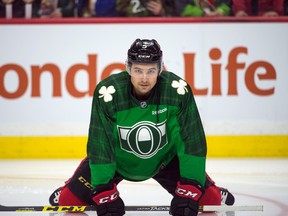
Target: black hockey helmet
{"x":145,"y":51}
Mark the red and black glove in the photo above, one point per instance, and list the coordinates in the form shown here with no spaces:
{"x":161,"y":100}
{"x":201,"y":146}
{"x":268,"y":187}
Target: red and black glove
{"x":186,"y":199}
{"x":107,"y":200}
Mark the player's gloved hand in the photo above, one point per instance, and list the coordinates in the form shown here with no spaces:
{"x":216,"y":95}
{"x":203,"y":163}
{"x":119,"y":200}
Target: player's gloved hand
{"x":186,"y":199}
{"x":108,"y":201}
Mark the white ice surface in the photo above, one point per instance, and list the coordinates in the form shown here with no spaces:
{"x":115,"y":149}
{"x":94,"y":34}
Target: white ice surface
{"x":252,"y":181}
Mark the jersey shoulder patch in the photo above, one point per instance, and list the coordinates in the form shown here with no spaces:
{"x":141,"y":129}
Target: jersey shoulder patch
{"x":111,"y":86}
{"x":173,"y":88}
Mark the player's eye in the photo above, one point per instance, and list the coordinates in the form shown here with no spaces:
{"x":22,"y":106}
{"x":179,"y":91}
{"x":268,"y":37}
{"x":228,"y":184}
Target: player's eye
{"x":151,"y":72}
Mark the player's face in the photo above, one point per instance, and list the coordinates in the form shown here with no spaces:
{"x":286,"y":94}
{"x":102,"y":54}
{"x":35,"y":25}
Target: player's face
{"x":143,"y":78}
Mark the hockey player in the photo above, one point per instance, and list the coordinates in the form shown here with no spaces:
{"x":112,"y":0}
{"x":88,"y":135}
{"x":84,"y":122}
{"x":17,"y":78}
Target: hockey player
{"x":144,"y":124}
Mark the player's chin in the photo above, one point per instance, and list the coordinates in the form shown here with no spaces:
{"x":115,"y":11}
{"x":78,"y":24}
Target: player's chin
{"x":144,"y":92}
{"x":144,"y":88}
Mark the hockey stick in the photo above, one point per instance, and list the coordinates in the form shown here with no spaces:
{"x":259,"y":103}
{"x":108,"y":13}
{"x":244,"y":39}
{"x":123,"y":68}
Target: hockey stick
{"x":127,"y":208}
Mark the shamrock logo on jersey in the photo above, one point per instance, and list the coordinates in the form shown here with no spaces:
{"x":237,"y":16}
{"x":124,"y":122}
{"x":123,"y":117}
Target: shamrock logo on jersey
{"x":181,"y":86}
{"x":107,"y":93}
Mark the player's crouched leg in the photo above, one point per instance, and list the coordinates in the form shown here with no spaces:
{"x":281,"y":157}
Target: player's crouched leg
{"x":67,"y":198}
{"x":211,"y":196}
{"x":63,"y":196}
{"x":216,"y":195}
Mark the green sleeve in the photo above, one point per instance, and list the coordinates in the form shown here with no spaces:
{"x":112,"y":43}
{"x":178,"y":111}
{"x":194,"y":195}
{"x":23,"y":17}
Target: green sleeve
{"x":101,"y":144}
{"x":191,"y":147}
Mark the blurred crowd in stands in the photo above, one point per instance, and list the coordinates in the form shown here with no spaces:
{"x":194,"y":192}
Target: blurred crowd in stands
{"x":141,"y":8}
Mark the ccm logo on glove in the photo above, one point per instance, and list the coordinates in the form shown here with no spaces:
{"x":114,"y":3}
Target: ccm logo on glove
{"x":188,"y":191}
{"x":106,"y":196}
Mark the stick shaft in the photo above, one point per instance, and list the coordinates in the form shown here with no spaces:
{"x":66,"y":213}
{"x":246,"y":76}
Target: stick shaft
{"x":127,"y":208}
{"x":232,"y":208}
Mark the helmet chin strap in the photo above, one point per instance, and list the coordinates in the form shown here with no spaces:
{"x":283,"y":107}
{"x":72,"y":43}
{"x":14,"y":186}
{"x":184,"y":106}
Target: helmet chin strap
{"x":161,"y":67}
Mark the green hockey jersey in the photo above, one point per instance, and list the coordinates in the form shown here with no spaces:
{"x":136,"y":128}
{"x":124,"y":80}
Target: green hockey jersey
{"x":137,"y":138}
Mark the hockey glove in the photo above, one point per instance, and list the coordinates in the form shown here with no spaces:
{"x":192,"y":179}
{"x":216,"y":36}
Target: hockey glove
{"x":108,"y":201}
{"x":185,"y":201}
